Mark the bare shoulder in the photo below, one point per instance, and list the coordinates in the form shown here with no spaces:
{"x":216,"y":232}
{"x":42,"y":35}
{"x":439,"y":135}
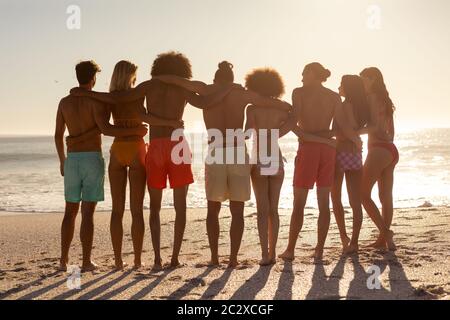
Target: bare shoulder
{"x":297,"y":92}
{"x":332,"y":94}
{"x":65,"y":101}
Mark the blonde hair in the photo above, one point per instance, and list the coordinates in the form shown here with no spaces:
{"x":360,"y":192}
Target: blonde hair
{"x":123,"y":76}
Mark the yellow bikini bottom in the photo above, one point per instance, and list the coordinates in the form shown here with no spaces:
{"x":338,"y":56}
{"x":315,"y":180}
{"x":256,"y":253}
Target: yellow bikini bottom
{"x":126,"y":152}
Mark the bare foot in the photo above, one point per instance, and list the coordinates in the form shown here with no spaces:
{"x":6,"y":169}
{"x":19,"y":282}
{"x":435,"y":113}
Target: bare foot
{"x":233,"y":263}
{"x":390,"y":241}
{"x":266,"y":262}
{"x":378,"y":244}
{"x":351,"y":249}
{"x":89,"y":267}
{"x":157,"y":267}
{"x":287,"y":255}
{"x":318,"y":255}
{"x":214,"y":263}
{"x":120,"y":265}
{"x":174,"y":264}
{"x":138,"y":266}
{"x":62,"y":266}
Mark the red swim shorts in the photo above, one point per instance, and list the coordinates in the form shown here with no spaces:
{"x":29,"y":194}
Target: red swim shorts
{"x":314,"y":164}
{"x":161,"y":164}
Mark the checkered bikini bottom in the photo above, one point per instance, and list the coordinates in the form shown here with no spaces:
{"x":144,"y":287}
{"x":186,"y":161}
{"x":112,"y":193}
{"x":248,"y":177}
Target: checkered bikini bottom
{"x":349,"y":161}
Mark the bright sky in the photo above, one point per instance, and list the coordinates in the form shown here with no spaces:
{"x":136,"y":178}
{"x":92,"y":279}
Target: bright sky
{"x":408,"y":42}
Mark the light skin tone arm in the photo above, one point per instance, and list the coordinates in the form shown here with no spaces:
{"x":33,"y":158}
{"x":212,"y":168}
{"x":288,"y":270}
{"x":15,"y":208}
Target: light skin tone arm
{"x":150,"y":119}
{"x":378,"y":129}
{"x":60,"y":128}
{"x":118,"y":97}
{"x":347,"y":130}
{"x":292,"y":124}
{"x":102,"y":115}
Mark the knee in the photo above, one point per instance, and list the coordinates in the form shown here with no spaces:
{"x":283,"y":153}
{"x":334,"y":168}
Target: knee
{"x":117,"y":215}
{"x":263,"y":211}
{"x":355,"y":203}
{"x":366,"y":196}
{"x":336,"y":198}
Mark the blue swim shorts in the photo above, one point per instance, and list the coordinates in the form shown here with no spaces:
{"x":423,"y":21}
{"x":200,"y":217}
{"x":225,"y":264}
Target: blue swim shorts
{"x":84,"y":176}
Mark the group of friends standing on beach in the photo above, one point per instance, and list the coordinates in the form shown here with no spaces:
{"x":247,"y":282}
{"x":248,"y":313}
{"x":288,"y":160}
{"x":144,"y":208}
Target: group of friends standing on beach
{"x":330,"y":148}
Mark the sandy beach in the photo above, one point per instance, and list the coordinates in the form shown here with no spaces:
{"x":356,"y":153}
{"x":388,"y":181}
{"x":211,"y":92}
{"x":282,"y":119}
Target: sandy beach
{"x":419,"y":269}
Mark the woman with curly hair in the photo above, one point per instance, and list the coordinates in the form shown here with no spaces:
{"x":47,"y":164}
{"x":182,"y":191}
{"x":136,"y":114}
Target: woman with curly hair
{"x":267,"y":174}
{"x":382,"y":156}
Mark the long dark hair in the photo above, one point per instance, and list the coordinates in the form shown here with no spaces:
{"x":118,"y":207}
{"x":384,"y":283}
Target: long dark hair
{"x":379,"y":89}
{"x":224,"y":75}
{"x":355,"y":94}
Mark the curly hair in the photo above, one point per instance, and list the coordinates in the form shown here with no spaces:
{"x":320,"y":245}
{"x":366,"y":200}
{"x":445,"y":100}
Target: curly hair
{"x":265,"y":81}
{"x":172,"y":63}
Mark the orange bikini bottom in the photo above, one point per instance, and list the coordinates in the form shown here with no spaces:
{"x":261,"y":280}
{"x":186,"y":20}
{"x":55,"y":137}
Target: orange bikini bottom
{"x":126,"y":152}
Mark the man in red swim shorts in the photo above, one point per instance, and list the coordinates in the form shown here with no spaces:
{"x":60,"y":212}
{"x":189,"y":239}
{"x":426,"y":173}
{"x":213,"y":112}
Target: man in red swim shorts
{"x":314,"y":110}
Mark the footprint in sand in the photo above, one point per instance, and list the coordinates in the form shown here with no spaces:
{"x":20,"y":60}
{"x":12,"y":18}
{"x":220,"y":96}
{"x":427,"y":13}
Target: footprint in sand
{"x":175,"y":278}
{"x":19,"y":269}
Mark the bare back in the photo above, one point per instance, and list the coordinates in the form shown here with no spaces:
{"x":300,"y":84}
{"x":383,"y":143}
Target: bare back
{"x":128,"y":115}
{"x":382,"y":121}
{"x":167,"y":102}
{"x":78,"y":114}
{"x":317,"y":108}
{"x":265,"y":118}
{"x":228,"y":114}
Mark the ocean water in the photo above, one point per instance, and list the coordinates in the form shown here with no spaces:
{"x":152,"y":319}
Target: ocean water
{"x":30,"y":179}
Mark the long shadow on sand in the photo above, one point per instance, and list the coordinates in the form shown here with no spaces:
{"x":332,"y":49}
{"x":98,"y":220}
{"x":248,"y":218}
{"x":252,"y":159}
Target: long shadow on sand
{"x":99,"y":290}
{"x":88,"y":284}
{"x":147,"y":289}
{"x":188,"y":286}
{"x":217,"y":285}
{"x":254,"y":285}
{"x":28,"y":285}
{"x":326,"y":287}
{"x":400,"y":286}
{"x":287,"y":277}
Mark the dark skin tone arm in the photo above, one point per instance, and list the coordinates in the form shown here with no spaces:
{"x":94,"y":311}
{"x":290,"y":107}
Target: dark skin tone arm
{"x":206,"y":102}
{"x":60,"y":128}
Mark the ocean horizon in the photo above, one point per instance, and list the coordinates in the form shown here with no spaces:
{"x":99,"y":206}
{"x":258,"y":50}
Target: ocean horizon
{"x":30,"y":181}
